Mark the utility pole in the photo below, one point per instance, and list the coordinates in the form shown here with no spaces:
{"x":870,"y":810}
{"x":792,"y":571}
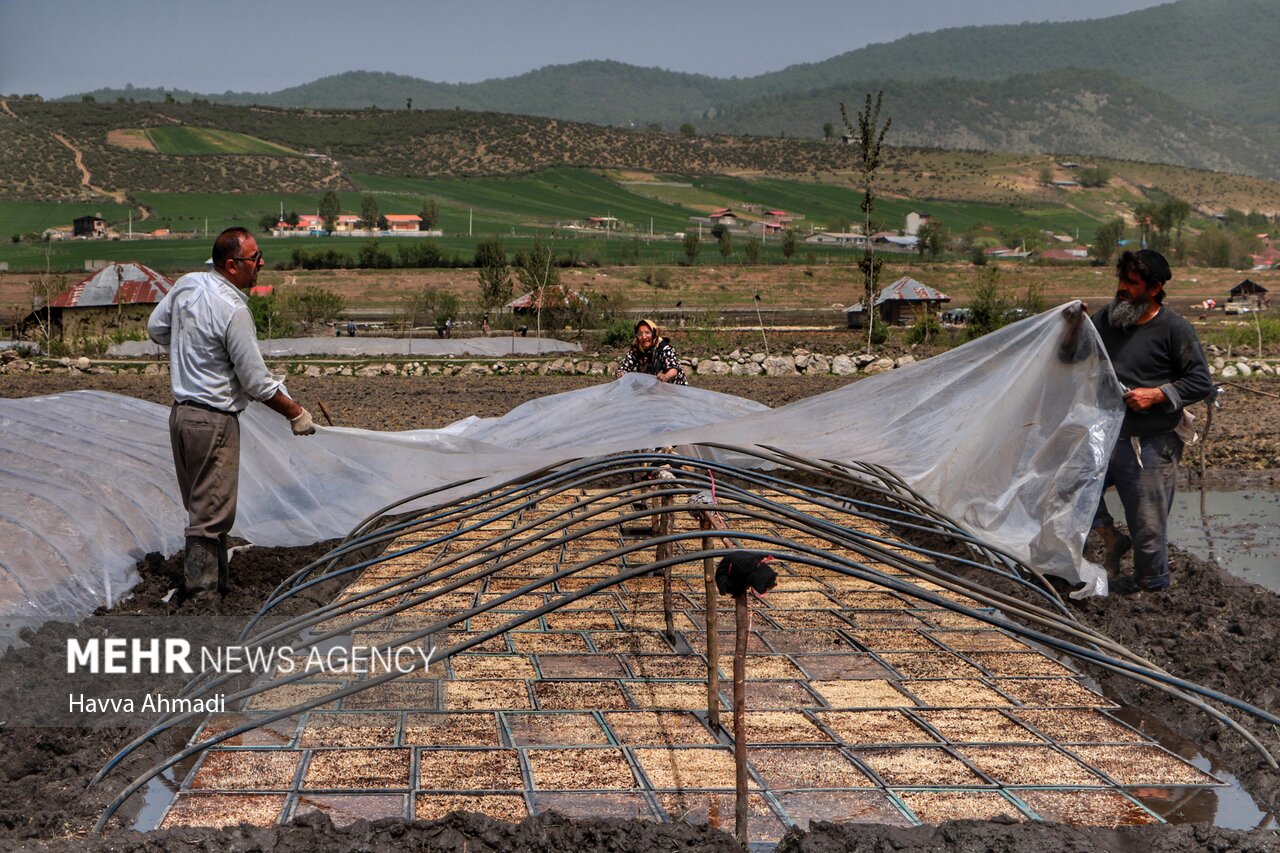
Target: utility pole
{"x":470,"y":211}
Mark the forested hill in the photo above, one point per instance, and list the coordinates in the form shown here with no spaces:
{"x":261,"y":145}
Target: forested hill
{"x":1217,"y":56}
{"x":1090,"y":112}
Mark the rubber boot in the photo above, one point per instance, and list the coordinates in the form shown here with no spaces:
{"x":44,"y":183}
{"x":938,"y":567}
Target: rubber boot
{"x":200,"y":566}
{"x":1115,"y":545}
{"x":224,"y":566}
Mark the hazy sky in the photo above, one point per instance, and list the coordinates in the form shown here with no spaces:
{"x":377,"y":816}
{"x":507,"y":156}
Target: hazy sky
{"x":57,"y":47}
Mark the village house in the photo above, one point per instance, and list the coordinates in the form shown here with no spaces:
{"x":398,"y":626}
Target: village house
{"x":899,"y":303}
{"x":914,"y":220}
{"x":92,"y":227}
{"x":846,"y":239}
{"x":397,"y":222}
{"x":119,"y":296}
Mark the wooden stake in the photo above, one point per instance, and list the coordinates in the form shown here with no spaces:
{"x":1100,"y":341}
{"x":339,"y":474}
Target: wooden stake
{"x":742,"y":626}
{"x":664,"y":526}
{"x":324,"y":410}
{"x":713,"y":637}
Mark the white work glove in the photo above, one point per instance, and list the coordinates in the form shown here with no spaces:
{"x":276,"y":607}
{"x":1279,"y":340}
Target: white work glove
{"x":302,"y":424}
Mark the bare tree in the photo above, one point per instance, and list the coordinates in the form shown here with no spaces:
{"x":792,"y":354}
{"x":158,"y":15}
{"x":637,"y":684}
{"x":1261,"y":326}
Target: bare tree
{"x":870,"y":138}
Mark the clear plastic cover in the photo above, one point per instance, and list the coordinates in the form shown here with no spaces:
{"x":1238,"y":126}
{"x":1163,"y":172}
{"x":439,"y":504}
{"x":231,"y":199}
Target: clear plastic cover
{"x":1001,"y":434}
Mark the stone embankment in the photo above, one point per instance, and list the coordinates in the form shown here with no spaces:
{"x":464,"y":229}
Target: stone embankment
{"x":737,"y":363}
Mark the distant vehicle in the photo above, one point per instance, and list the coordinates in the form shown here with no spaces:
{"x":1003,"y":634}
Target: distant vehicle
{"x":1236,"y":308}
{"x":956,"y":316}
{"x":1013,"y":315}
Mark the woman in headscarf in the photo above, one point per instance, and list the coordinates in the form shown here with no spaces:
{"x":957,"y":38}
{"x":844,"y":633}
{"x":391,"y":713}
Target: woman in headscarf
{"x":653,"y":354}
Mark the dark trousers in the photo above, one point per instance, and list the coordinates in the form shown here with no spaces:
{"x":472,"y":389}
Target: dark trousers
{"x":1146,"y":493}
{"x":206,"y":457}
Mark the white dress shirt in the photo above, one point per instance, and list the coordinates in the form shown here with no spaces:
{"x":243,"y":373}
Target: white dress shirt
{"x":213,"y":348}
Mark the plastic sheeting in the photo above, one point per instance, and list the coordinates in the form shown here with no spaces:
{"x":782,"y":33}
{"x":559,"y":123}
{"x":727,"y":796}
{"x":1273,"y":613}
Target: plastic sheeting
{"x":1000,"y":434}
{"x":495,"y":347}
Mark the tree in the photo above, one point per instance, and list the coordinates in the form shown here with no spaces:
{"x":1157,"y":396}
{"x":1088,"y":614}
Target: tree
{"x":430,"y":213}
{"x":1046,"y":175}
{"x":536,"y":268}
{"x":369,"y":213}
{"x":1094,"y":176}
{"x":870,"y":138}
{"x":629,"y":251}
{"x":752,"y":250}
{"x":839,"y":224}
{"x":719,"y":230}
{"x":1107,"y":239}
{"x":932,"y":238}
{"x":267,"y":321}
{"x":688,"y":130}
{"x":788,"y":243}
{"x":493,"y":274}
{"x":312,"y":305}
{"x":828,"y":130}
{"x":1214,"y":248}
{"x":329,"y":209}
{"x":989,"y":309}
{"x":384,"y":224}
{"x":267,"y":222}
{"x":692,"y":245}
{"x":430,"y":307}
{"x":726,"y":244}
{"x":1160,"y":224}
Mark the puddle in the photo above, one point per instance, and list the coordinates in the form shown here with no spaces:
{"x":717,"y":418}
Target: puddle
{"x":1228,"y":806}
{"x":1240,"y":530}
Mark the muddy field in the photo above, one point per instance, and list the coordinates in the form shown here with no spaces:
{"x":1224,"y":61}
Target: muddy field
{"x":1209,"y":627}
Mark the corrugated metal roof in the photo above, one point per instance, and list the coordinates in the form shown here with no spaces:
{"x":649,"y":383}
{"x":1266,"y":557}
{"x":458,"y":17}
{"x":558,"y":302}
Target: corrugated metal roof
{"x":127,"y":283}
{"x":908,"y":289}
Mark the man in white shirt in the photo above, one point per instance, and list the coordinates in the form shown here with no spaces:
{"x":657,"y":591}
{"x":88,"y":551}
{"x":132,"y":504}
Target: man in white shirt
{"x":215,"y":368}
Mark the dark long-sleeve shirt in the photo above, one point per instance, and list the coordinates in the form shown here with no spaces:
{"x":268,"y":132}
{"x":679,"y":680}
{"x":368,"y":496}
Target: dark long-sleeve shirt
{"x":1161,"y":353}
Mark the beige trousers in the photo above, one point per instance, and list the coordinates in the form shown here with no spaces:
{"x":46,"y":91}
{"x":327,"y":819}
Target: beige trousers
{"x":206,"y":456}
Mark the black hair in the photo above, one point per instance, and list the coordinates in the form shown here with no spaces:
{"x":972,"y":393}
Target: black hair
{"x":228,"y":244}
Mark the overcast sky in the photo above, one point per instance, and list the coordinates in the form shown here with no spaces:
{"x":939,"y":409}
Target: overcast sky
{"x":57,"y":47}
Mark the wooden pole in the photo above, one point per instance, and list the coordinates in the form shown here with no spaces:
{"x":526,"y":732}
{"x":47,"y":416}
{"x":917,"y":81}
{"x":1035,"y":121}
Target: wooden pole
{"x":1208,"y":424}
{"x":664,"y":550}
{"x":742,"y":626}
{"x":713,"y":636}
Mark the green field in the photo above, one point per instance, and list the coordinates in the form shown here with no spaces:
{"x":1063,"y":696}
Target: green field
{"x":25,"y":217}
{"x":208,"y":140}
{"x":544,"y":203}
{"x":555,"y":196}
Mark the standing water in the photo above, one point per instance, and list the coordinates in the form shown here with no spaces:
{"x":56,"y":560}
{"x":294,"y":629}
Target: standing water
{"x":1240,"y":530}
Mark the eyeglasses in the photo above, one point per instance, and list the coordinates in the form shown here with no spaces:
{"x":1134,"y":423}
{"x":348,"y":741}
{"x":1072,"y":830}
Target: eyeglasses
{"x":255,"y":258}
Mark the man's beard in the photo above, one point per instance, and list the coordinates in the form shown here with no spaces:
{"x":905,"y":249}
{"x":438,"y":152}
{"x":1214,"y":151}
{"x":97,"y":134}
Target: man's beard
{"x":1124,"y":314}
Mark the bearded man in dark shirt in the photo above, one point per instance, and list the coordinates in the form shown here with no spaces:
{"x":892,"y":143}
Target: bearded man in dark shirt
{"x":1158,"y":359}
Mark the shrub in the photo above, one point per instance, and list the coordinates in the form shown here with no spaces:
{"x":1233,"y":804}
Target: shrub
{"x":618,"y":332}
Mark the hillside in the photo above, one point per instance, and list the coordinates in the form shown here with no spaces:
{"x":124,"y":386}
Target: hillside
{"x":1082,"y":112}
{"x":341,"y":150}
{"x":1212,"y":60}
